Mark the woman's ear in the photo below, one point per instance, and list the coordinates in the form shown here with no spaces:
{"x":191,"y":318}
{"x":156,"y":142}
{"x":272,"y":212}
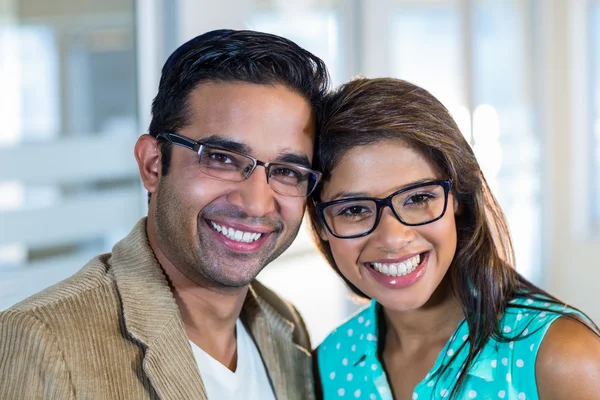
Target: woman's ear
{"x":322,"y":232}
{"x":316,"y":226}
{"x":457,"y":206}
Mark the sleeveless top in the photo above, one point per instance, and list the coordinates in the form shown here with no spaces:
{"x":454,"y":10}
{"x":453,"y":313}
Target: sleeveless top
{"x":349,"y":367}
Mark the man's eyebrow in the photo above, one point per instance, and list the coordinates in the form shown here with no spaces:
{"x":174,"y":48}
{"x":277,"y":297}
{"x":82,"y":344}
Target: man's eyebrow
{"x":291,"y":157}
{"x":227,"y":144}
{"x":285,"y":156}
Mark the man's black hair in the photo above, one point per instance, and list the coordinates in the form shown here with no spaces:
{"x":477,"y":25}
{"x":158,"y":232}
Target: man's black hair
{"x":232,"y":56}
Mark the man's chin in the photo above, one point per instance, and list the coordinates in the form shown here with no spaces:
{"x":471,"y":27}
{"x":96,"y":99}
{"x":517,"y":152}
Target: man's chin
{"x":234,"y":281}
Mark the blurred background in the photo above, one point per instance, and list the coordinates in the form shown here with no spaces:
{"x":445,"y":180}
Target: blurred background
{"x":521,"y":77}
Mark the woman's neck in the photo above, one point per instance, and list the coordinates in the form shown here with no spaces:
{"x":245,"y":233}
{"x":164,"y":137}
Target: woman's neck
{"x":432,"y":323}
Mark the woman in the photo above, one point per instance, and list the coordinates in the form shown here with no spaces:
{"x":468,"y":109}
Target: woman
{"x":405,"y":217}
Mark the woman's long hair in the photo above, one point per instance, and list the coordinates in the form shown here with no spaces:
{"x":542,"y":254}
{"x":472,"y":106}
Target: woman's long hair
{"x":482,"y":274}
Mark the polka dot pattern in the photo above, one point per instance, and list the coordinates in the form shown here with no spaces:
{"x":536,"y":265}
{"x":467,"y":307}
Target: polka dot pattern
{"x":350,"y":369}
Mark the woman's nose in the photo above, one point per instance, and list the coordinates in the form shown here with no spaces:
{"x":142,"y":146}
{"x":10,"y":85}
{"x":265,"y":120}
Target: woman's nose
{"x":392,"y":235}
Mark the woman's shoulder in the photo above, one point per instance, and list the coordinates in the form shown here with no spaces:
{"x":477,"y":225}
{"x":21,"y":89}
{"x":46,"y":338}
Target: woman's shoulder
{"x":525,"y":324}
{"x":525,"y":315}
{"x":547,"y":340}
{"x":568,"y":362}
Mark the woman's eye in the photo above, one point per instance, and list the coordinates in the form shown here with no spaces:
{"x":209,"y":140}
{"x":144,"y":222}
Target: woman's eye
{"x":353,"y":211}
{"x":418,"y":199}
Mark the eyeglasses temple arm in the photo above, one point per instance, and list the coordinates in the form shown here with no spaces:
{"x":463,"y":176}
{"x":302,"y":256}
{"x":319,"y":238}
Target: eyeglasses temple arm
{"x":179,"y":140}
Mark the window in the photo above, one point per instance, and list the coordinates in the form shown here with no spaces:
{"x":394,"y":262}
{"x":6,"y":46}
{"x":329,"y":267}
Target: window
{"x":594,"y":45}
{"x":68,"y":183}
{"x":504,"y":137}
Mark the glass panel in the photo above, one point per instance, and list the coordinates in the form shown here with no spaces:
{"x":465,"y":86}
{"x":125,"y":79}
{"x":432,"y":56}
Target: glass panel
{"x":427,"y":50}
{"x":68,"y":79}
{"x":505,"y":141}
{"x":66,"y":72}
{"x":594,"y":31}
{"x":290,"y":21}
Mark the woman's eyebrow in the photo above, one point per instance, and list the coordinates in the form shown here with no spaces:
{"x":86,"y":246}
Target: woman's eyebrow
{"x":348,"y":195}
{"x":345,"y":194}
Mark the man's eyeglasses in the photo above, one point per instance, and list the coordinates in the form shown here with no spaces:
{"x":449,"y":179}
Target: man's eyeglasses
{"x":413,"y":206}
{"x":284,"y":178}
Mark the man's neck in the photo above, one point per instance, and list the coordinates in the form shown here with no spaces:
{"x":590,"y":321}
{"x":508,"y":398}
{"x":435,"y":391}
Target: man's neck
{"x":209,"y":313}
{"x":209,"y":316}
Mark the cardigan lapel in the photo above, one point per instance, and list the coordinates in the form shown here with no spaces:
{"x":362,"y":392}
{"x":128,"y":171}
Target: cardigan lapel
{"x":152,"y":318}
{"x":289,"y":365}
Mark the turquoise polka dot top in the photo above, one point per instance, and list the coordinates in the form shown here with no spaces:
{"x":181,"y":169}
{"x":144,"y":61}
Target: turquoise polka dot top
{"x":350,"y":369}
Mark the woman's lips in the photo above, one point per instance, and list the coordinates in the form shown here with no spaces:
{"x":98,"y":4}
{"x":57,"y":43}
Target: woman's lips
{"x":398,"y":281}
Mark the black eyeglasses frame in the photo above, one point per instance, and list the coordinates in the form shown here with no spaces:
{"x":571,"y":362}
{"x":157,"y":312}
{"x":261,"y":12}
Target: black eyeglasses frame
{"x":382,"y":203}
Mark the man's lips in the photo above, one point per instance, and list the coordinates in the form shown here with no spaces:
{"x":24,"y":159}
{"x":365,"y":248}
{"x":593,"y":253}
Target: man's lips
{"x":242,"y":227}
{"x":239,"y":237}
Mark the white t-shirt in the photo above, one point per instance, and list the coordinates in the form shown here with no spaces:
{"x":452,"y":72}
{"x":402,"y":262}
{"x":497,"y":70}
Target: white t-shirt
{"x":249,"y":381}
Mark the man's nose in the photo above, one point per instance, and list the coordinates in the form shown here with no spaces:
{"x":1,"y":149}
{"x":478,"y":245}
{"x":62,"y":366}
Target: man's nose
{"x":392,"y":235}
{"x":254,"y":195}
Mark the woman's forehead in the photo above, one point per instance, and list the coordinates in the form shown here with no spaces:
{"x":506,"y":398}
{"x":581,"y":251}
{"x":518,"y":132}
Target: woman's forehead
{"x":377,"y":168}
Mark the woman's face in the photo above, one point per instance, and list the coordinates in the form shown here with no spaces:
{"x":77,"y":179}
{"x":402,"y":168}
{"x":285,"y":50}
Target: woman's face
{"x":399,"y":266}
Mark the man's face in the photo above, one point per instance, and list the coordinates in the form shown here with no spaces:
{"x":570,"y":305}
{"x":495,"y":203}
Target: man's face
{"x":195,"y":213}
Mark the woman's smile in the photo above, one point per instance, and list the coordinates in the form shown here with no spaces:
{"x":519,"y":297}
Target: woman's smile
{"x":400,"y":264}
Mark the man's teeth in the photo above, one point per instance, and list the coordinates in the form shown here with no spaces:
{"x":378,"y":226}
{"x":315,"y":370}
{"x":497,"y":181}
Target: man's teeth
{"x":398,"y":269}
{"x":238,"y":236}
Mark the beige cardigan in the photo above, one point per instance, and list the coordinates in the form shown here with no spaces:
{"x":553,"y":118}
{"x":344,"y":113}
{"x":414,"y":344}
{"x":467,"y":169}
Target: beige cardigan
{"x":113,"y":331}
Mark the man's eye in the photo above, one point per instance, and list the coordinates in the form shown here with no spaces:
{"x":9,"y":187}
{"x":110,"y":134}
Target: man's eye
{"x":220,"y":158}
{"x":287,"y":173}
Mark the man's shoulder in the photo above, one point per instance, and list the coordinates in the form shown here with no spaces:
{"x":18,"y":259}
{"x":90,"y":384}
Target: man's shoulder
{"x":282,"y":306}
{"x":70,"y":293}
{"x":286,"y":310}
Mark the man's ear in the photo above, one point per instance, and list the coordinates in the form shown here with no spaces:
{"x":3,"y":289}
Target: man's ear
{"x":148,"y":157}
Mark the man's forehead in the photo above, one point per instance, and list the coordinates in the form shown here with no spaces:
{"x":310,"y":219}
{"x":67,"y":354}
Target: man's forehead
{"x":256,"y":115}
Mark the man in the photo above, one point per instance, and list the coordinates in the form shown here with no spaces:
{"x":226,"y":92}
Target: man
{"x":174,"y":311}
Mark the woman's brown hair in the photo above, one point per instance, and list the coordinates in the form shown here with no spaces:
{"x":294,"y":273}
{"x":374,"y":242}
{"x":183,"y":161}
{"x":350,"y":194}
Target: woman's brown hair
{"x":482,"y":274}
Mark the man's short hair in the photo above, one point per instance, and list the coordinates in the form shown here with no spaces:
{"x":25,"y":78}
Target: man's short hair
{"x":223,"y":56}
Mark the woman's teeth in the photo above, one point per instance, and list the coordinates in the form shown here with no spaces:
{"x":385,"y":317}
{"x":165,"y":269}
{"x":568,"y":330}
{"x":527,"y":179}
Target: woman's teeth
{"x":398,"y":269}
{"x":238,"y":236}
